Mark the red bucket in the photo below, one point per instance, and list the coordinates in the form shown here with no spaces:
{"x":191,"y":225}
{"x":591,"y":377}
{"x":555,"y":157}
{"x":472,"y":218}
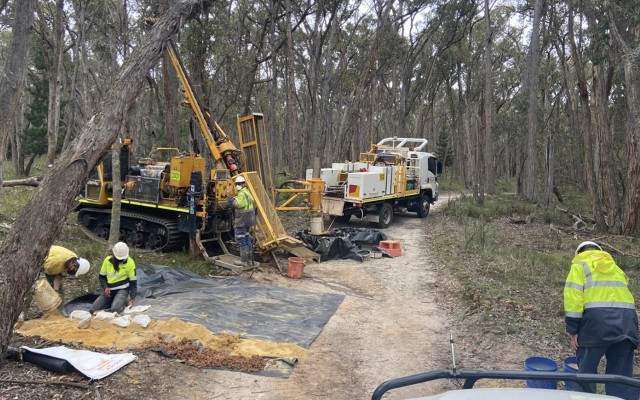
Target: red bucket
{"x":296,"y":267}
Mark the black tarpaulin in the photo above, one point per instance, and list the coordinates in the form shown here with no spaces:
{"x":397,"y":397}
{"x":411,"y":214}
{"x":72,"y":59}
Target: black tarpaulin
{"x":232,"y":305}
{"x":341,"y":243}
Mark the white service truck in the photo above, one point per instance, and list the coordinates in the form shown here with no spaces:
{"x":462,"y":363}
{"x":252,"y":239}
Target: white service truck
{"x":396,"y":175}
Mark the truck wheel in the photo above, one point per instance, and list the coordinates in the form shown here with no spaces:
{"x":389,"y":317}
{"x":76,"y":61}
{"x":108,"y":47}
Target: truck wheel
{"x":423,"y":206}
{"x":386,"y":215}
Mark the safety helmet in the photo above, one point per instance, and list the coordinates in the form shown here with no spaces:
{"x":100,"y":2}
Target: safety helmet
{"x":239,"y":180}
{"x":121,"y":251}
{"x":83,"y":266}
{"x":588,"y":245}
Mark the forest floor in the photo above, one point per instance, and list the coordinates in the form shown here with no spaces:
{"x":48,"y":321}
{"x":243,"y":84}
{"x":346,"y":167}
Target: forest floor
{"x":395,"y":320}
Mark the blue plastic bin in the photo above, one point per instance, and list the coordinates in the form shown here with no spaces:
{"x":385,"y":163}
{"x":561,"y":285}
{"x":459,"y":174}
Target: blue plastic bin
{"x":568,"y":367}
{"x":541,"y":364}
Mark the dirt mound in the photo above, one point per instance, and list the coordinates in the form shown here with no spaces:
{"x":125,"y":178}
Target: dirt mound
{"x":104,"y":334}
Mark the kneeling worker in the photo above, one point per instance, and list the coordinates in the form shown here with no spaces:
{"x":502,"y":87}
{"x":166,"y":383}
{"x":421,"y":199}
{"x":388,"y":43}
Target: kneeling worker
{"x":118,"y":280}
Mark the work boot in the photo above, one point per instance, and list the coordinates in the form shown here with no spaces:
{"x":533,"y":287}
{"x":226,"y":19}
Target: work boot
{"x":243,"y":258}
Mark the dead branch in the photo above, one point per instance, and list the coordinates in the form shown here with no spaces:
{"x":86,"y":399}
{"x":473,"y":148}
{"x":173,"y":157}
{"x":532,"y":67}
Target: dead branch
{"x":556,"y":230}
{"x":33,"y":181}
{"x":20,"y":382}
{"x":587,"y":219}
{"x":576,"y":225}
{"x":616,"y":250}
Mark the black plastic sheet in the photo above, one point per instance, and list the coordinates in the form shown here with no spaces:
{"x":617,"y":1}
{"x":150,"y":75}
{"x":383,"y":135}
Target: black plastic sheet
{"x":341,"y":243}
{"x":232,"y":305}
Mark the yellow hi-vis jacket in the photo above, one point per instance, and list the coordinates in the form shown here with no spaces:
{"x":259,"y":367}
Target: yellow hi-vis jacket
{"x":55,"y":262}
{"x":124,"y":278}
{"x":245,"y":216}
{"x":598,"y":304}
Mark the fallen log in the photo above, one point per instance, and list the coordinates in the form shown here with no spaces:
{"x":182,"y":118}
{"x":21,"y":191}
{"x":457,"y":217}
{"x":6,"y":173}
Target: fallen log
{"x":33,"y":181}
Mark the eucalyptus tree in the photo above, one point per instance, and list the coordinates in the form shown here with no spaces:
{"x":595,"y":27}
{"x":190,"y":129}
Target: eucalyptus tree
{"x":528,"y":180}
{"x":603,"y":41}
{"x":14,"y":71}
{"x":52,"y":22}
{"x":623,"y":21}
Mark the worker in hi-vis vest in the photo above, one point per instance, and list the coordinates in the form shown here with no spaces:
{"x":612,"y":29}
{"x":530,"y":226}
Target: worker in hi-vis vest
{"x":600,"y":315}
{"x":244,"y":219}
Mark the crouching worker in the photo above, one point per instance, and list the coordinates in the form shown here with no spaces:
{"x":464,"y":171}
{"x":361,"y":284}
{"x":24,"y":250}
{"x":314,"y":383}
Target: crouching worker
{"x":118,"y":280}
{"x":60,"y":262}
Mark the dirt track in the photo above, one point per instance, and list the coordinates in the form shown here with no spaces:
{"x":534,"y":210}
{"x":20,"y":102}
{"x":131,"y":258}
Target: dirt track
{"x":389,"y":325}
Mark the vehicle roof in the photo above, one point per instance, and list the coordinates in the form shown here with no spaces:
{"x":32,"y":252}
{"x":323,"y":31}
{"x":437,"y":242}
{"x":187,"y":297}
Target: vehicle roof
{"x":514,"y":393}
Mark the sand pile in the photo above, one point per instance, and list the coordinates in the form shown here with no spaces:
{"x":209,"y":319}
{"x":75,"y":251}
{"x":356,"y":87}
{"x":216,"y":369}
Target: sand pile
{"x":104,"y":334}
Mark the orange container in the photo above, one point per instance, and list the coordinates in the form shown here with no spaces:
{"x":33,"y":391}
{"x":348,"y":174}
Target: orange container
{"x":296,"y":267}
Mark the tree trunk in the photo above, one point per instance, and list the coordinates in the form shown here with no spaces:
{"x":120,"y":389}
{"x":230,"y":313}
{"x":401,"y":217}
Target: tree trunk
{"x":602,"y":165}
{"x":529,"y":179}
{"x":584,"y":122}
{"x":291,"y":128}
{"x":489,"y":151}
{"x":16,"y":142}
{"x":631,"y":202}
{"x":14,"y":71}
{"x":116,"y":205}
{"x":549,"y":152}
{"x":171,"y":89}
{"x":55,"y":83}
{"x":479,"y":162}
{"x":27,"y":169}
{"x":26,"y":245}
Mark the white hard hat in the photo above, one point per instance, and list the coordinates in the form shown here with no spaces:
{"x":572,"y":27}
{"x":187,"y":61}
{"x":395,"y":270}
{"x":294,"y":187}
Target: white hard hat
{"x":83,"y":266}
{"x":585,"y":244}
{"x":121,"y":250}
{"x":240,"y":179}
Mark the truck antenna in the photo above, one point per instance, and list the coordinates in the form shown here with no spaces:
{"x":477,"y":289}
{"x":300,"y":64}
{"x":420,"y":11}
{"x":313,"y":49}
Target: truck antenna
{"x":453,"y":352}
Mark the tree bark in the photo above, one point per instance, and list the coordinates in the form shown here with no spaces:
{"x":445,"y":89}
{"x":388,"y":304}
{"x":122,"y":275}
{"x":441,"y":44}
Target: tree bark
{"x":14,"y":71}
{"x":631,"y":201}
{"x":171,"y":89}
{"x":529,"y":179}
{"x":489,"y":151}
{"x":41,"y":220}
{"x":55,"y":82}
{"x":584,"y":122}
{"x":116,"y":205}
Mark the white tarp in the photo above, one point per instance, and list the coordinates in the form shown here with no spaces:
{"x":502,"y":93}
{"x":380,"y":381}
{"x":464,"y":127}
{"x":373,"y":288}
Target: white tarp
{"x":89,"y":363}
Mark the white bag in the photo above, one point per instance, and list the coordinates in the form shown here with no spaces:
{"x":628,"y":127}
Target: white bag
{"x":135,"y":309}
{"x":102,"y":315}
{"x":80,"y":314}
{"x":142,"y":320}
{"x":122,"y":322}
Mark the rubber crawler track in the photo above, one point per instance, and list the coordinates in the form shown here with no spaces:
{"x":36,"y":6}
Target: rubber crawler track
{"x":175,"y":240}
